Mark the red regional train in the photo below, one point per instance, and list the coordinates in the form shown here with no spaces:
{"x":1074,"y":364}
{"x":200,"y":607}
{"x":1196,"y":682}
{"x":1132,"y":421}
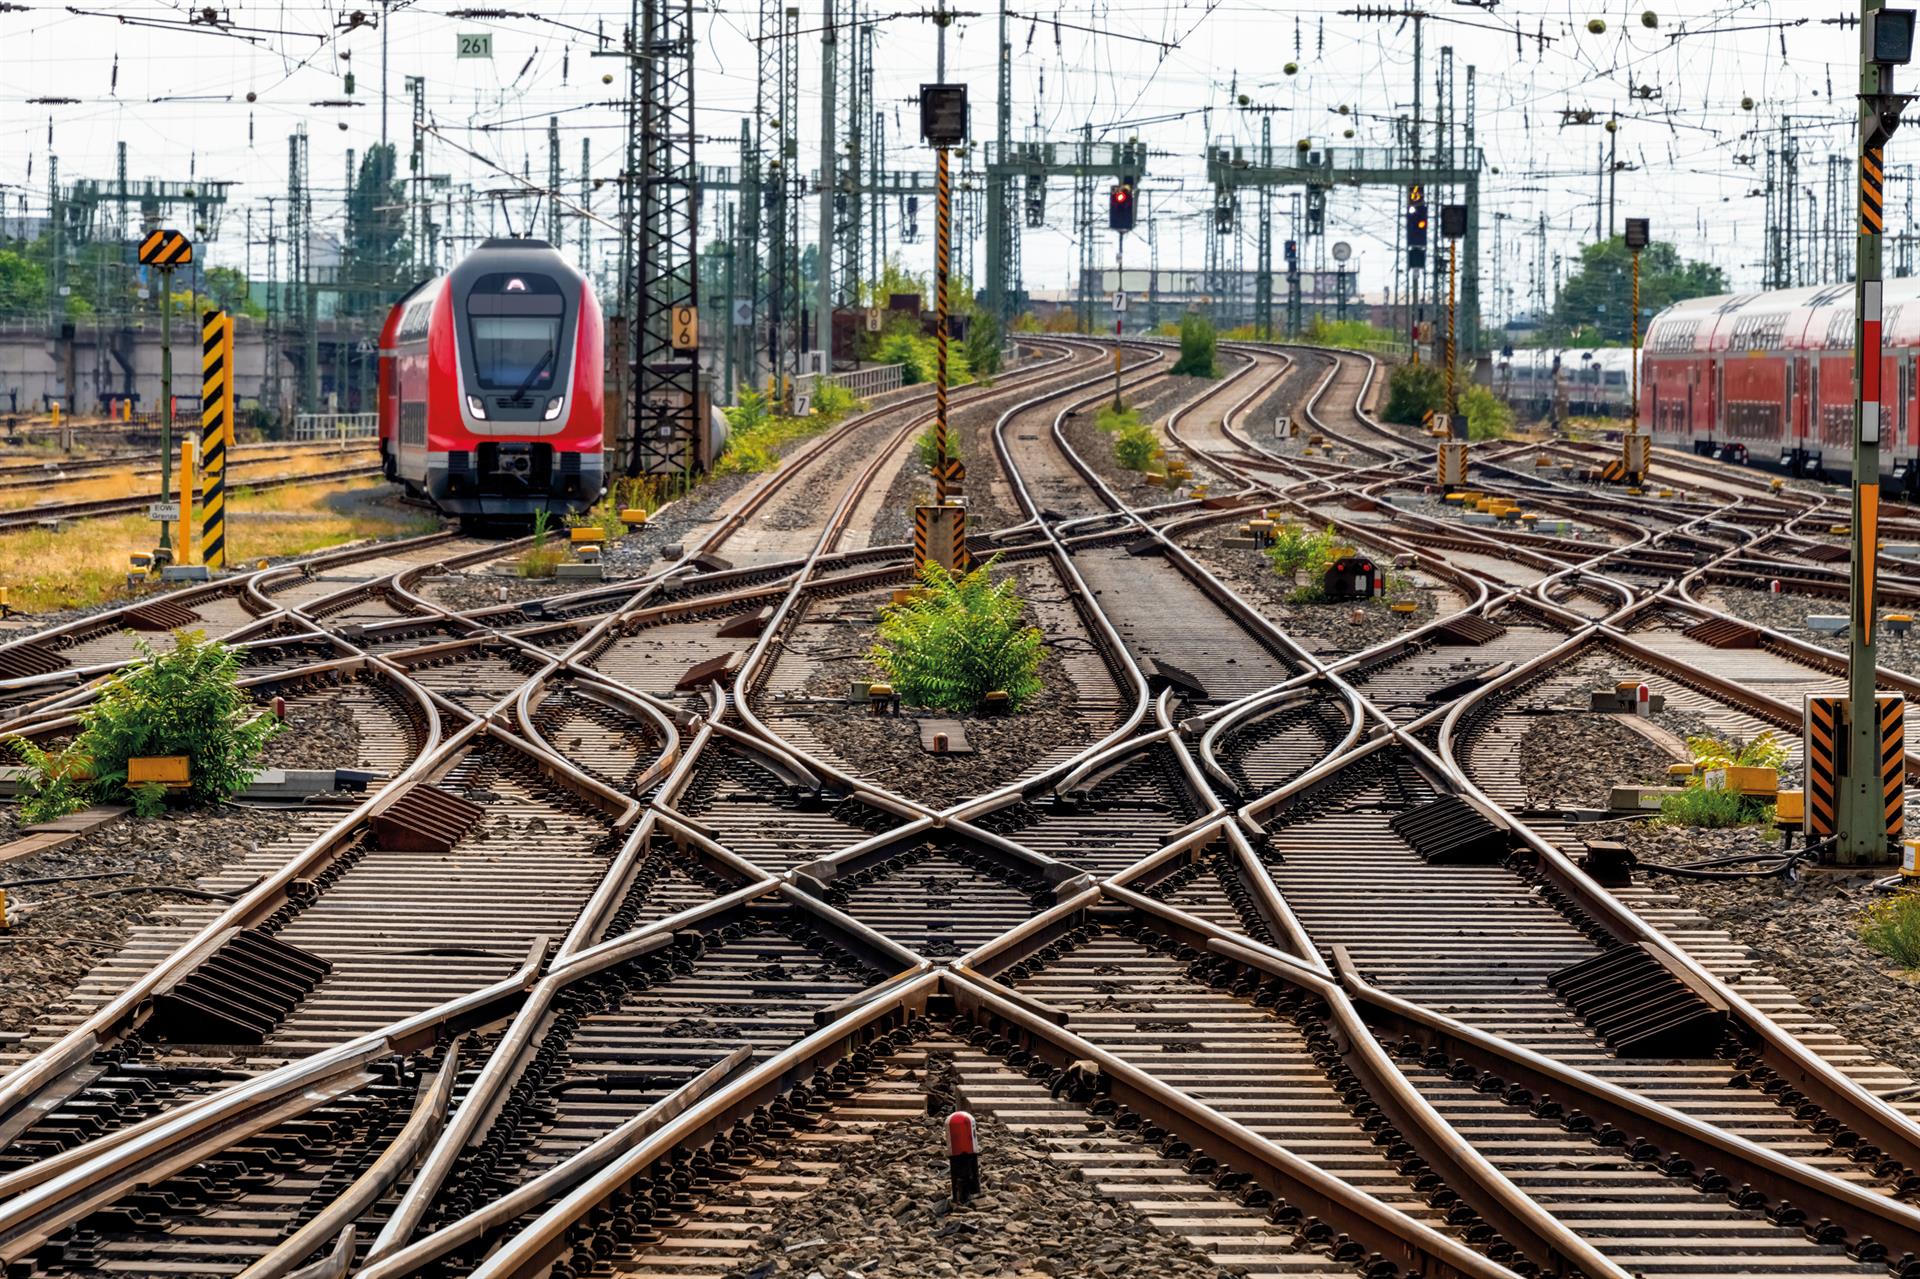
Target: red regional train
{"x":1768,"y":378}
{"x":491,"y":382}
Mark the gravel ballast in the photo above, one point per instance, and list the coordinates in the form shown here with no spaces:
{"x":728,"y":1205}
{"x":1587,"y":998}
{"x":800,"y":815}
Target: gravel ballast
{"x":1803,"y":931}
{"x":1787,"y":613}
{"x":886,"y":1213}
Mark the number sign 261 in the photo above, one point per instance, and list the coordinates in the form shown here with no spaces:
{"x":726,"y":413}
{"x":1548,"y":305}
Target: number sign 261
{"x":476,"y":46}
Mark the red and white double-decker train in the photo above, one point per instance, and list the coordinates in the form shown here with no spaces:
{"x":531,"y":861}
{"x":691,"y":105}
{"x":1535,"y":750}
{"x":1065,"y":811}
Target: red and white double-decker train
{"x":491,"y":380}
{"x":1768,"y":378}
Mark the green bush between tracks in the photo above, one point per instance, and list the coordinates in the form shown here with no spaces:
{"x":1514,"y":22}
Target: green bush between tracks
{"x":183,"y":701}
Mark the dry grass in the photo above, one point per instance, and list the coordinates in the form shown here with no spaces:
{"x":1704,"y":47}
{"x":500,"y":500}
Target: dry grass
{"x":86,"y":563}
{"x":125,"y":481}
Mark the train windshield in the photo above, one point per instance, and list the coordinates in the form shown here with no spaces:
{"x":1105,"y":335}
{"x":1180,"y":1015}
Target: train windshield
{"x":514,"y":321}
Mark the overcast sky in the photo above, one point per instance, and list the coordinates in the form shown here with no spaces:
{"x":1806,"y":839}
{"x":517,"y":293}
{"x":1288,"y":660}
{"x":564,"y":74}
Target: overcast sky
{"x":177,"y":97}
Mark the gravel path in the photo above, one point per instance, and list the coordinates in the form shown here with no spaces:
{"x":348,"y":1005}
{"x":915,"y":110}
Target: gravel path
{"x":886,"y":1213}
{"x":65,"y":932}
{"x":886,"y":749}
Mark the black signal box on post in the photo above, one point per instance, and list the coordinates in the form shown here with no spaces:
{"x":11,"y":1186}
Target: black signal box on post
{"x":1120,"y":208}
{"x":943,"y":114}
{"x":1453,"y":221}
{"x":1351,"y":577}
{"x":1417,"y":226}
{"x":1639,"y":234}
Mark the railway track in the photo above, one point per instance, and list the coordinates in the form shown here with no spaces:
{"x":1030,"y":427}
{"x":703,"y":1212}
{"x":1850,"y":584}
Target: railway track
{"x":56,"y":512}
{"x":631,"y":944}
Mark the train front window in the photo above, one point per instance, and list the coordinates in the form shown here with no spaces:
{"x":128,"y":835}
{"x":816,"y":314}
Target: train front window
{"x":510,"y":351}
{"x":514,"y":321}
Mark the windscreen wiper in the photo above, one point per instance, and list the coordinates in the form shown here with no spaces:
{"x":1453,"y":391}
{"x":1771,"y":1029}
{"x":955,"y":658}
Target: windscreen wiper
{"x":534,"y":374}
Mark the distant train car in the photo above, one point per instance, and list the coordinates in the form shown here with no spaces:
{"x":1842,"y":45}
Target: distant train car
{"x":1768,"y":378}
{"x":1594,"y":383}
{"x":491,"y":386}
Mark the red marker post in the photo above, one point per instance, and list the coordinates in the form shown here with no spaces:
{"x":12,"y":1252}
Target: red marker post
{"x":963,"y":1163}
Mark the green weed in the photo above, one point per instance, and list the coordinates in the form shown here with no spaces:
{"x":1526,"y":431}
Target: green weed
{"x":1892,"y":927}
{"x":958,"y":640}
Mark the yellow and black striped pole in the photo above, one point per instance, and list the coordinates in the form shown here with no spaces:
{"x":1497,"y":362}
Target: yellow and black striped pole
{"x":216,"y":432}
{"x":942,"y":251}
{"x":1861,"y":837}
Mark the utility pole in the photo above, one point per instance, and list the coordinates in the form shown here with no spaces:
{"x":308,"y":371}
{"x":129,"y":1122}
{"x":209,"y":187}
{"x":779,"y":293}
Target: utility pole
{"x":1886,"y":40}
{"x":386,"y":16}
{"x":553,"y":180}
{"x":999,"y":202}
{"x":586,"y":207}
{"x":829,"y":184}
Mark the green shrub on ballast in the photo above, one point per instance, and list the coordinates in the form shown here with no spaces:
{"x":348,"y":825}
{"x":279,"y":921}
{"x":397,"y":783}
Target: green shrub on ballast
{"x":1412,"y":389}
{"x":1712,"y":809}
{"x":1198,"y":344}
{"x":1488,"y":416}
{"x":1892,"y":927}
{"x":1719,"y":809}
{"x":959,"y":639}
{"x":184,"y":701}
{"x":1295,"y":549}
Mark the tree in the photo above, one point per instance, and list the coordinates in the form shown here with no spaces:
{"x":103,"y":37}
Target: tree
{"x":375,"y":268}
{"x":1596,"y":302}
{"x":23,"y":284}
{"x":231,"y":291}
{"x":983,"y":342}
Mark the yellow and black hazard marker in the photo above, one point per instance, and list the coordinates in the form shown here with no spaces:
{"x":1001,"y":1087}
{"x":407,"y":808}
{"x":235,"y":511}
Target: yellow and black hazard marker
{"x":940,"y":537}
{"x":942,"y":260}
{"x":1873,"y":184}
{"x":1825,"y":744}
{"x":1893,"y":760}
{"x":166,"y":249}
{"x":216,"y":432}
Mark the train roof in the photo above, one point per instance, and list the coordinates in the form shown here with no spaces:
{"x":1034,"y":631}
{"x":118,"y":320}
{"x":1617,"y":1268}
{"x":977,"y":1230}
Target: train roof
{"x":1815,"y":318}
{"x":502,"y":254}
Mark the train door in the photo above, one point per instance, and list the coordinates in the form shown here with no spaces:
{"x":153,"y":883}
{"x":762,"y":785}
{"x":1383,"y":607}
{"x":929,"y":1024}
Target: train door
{"x":1813,"y":443}
{"x":1903,"y":460}
{"x":1792,"y":422}
{"x":1718,"y":409}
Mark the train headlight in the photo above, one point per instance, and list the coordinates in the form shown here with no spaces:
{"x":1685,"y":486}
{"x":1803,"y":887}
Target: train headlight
{"x":477,"y":407}
{"x":554,"y":406}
